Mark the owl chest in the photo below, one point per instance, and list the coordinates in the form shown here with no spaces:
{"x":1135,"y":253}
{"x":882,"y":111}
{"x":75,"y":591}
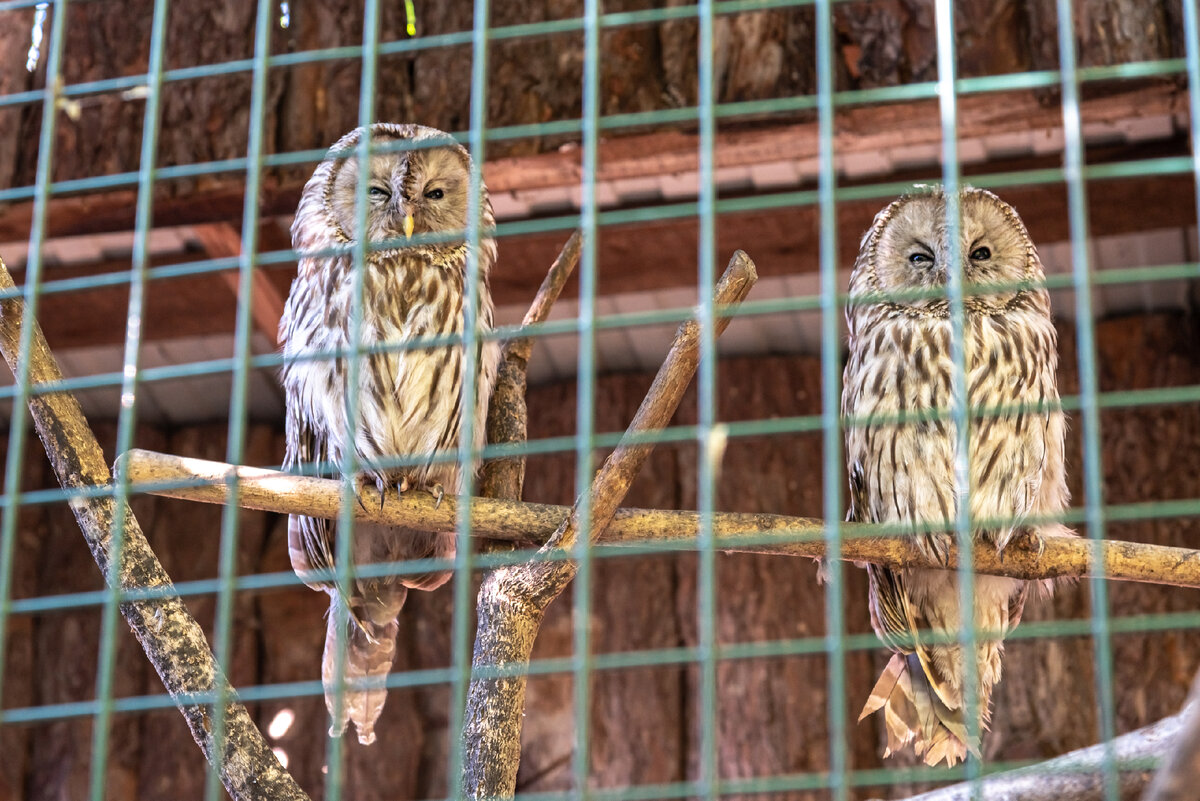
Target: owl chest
{"x":904,"y":366}
{"x":903,"y":441}
{"x":406,"y":389}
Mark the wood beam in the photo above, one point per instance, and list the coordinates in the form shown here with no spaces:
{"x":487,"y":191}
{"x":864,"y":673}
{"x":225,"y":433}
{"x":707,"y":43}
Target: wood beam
{"x":858,"y":129}
{"x":630,"y":258}
{"x":221,"y":240}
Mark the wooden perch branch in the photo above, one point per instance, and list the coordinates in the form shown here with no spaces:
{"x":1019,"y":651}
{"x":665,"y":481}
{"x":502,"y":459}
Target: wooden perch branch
{"x":199,"y":480}
{"x":1079,"y":775}
{"x":170,"y":636}
{"x":513,"y":600}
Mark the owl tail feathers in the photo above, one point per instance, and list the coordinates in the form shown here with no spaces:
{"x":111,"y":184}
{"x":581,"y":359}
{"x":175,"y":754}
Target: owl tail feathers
{"x":370,"y":650}
{"x":915,"y":715}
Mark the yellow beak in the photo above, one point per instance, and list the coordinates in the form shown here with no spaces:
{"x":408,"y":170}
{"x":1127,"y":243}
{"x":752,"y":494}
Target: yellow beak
{"x":408,"y":225}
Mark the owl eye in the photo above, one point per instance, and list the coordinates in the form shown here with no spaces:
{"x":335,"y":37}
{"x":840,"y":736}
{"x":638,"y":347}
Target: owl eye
{"x":980,"y":254}
{"x":435,"y":194}
{"x":378,"y":193}
{"x":920,"y":259}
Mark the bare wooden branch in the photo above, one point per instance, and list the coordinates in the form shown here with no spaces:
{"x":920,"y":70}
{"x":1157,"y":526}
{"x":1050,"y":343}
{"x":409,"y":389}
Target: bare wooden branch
{"x":170,"y":636}
{"x":513,"y":600}
{"x":1079,"y":775}
{"x":1179,"y":775}
{"x":506,"y":423}
{"x":199,"y":480}
{"x":504,"y":479}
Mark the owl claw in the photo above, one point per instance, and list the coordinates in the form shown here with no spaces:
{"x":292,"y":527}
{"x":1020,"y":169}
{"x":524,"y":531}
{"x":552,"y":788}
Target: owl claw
{"x":357,"y":487}
{"x":1035,"y":542}
{"x":381,"y":485}
{"x":438,"y":493}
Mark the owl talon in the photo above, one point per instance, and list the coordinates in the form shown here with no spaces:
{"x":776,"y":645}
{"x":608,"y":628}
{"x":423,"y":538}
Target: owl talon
{"x":438,"y":493}
{"x":402,"y":487}
{"x":1035,"y":542}
{"x":357,"y":485}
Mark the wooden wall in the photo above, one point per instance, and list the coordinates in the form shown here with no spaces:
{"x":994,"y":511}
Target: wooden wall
{"x":757,"y":55}
{"x":644,"y":722}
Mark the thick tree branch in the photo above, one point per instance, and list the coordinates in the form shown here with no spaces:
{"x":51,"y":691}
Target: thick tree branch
{"x":199,"y":480}
{"x":170,"y":636}
{"x":1079,"y":775}
{"x":1179,"y":776}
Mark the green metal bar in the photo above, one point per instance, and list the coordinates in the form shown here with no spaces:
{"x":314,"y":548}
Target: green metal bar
{"x":585,"y":406}
{"x":127,"y":415}
{"x":706,"y":416}
{"x":830,"y":305}
{"x":462,"y":632}
{"x":1021,"y":80}
{"x":1108,"y":277}
{"x":14,"y":460}
{"x":622,"y":121}
{"x":1093,"y":477}
{"x":350,"y":466}
{"x":1131,"y":625}
{"x":948,"y":107}
{"x":236,"y":436}
{"x":1171,"y":165}
{"x":1191,"y":38}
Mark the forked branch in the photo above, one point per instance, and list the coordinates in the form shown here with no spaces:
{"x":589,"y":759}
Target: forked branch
{"x":513,"y":599}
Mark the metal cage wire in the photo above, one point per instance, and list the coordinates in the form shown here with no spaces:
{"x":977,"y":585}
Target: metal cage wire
{"x":840,"y":780}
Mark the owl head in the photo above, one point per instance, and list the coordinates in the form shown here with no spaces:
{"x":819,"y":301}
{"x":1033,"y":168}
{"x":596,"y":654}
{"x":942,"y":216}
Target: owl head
{"x":906,"y":255}
{"x":418,"y":184}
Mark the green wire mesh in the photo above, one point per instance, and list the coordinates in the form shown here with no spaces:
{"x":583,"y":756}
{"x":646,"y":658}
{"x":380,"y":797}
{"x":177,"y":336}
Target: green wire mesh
{"x":840,"y":780}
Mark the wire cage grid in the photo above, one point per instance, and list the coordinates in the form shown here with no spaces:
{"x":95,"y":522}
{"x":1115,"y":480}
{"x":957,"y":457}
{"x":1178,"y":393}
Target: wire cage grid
{"x":840,"y":780}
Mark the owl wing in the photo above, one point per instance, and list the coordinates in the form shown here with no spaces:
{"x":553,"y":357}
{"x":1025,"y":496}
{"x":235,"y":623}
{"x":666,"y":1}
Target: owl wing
{"x":893,"y":471}
{"x":310,"y":539}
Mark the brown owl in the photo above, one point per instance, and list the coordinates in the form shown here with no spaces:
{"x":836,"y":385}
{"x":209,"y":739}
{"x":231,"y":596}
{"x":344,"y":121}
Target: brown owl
{"x":409,"y":398}
{"x":902,"y":471}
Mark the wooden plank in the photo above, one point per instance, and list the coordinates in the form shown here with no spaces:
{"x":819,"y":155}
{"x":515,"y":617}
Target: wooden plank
{"x":859,"y":130}
{"x":221,"y":240}
{"x":630,"y":258}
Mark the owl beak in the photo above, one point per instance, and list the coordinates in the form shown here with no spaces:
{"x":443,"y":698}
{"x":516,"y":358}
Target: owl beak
{"x":408,"y":226}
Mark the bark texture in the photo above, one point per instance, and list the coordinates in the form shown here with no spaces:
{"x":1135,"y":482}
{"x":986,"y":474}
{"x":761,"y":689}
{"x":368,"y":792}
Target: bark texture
{"x":535,"y":79}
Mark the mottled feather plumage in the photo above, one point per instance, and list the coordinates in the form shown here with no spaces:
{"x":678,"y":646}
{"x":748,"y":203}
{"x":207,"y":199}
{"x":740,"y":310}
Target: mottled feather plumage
{"x":409,"y":399}
{"x":901,"y":471}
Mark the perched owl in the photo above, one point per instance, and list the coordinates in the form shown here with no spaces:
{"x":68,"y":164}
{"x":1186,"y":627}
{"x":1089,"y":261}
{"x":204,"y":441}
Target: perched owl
{"x":409,"y":398}
{"x":902,"y":471}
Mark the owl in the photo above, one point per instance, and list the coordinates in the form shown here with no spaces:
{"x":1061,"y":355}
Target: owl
{"x":406,"y":427}
{"x":901,"y":445}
